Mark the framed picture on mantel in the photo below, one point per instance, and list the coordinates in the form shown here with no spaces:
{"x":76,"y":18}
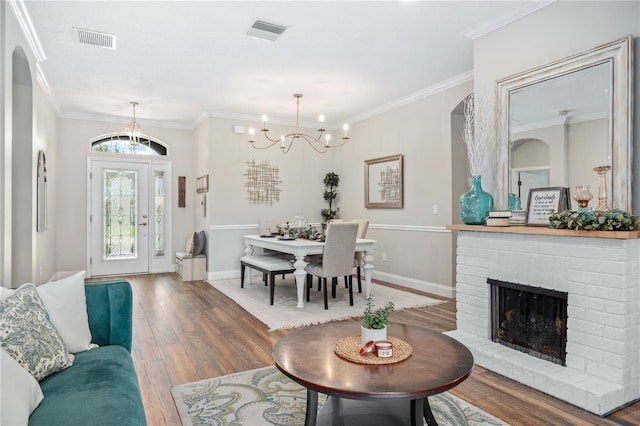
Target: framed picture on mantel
{"x":543,"y":202}
{"x":383,"y":183}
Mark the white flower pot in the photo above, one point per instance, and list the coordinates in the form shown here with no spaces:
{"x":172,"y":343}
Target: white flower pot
{"x":369,"y":334}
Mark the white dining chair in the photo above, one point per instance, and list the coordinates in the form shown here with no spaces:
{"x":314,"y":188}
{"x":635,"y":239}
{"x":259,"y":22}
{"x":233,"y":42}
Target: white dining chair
{"x":358,"y":262}
{"x":337,"y":259}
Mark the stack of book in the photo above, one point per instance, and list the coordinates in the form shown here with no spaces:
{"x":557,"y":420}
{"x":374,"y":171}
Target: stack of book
{"x":518,"y":217}
{"x":498,"y":218}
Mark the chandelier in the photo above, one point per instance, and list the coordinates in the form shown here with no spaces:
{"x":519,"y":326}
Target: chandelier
{"x":134,"y":131}
{"x":318,"y":143}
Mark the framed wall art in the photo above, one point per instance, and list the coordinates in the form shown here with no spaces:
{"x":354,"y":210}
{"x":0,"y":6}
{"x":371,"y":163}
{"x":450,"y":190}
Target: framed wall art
{"x":383,"y":182}
{"x":182,"y":191}
{"x":202,"y":184}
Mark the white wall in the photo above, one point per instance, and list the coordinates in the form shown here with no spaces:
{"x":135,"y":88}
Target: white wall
{"x":46,"y":139}
{"x":71,"y":185}
{"x":556,"y":31}
{"x":42,"y":248}
{"x":417,"y":247}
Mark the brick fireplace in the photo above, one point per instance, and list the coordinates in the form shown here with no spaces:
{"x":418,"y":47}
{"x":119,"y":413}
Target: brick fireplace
{"x":600,"y":274}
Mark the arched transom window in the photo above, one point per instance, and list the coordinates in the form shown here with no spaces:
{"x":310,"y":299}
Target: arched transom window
{"x":120,"y":143}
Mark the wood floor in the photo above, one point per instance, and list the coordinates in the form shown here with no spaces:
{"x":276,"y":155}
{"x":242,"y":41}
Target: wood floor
{"x":185,"y":332}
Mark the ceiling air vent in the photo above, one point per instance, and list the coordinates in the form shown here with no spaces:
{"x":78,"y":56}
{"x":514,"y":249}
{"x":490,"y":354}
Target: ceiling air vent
{"x":266,"y":30}
{"x":95,"y":38}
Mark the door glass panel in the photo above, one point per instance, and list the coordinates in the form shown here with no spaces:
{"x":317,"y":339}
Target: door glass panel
{"x":120,"y":214}
{"x":158,"y":205}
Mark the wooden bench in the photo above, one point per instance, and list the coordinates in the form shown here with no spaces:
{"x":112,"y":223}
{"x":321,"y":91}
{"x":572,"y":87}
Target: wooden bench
{"x":191,"y":268}
{"x":270,"y":266}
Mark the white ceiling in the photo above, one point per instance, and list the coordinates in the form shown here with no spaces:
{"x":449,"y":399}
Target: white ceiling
{"x":185,"y":60}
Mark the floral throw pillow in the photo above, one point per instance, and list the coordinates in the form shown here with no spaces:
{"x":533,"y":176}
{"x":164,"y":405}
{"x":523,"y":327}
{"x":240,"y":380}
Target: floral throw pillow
{"x":27,"y":334}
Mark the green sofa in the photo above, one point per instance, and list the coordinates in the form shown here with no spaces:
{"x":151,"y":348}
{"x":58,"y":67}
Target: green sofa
{"x":101,"y":387}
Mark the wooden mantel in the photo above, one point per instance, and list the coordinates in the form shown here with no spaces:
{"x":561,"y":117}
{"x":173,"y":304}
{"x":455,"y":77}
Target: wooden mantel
{"x":541,"y":230}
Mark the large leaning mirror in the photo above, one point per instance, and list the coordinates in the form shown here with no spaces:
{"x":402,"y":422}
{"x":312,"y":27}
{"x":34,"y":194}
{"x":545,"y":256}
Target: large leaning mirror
{"x":559,"y":121}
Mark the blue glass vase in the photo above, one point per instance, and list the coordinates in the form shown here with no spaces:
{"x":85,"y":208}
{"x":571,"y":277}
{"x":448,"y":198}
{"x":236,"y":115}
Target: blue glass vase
{"x":475,"y":204}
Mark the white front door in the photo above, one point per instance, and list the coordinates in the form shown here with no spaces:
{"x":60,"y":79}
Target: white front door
{"x":119,"y":218}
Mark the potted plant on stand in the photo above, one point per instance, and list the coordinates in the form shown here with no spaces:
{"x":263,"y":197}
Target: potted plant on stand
{"x":374,"y":323}
{"x":331,"y":181}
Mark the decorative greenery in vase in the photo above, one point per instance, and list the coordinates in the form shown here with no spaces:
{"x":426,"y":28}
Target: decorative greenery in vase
{"x":476,"y":203}
{"x":376,"y":319}
{"x":331,"y":181}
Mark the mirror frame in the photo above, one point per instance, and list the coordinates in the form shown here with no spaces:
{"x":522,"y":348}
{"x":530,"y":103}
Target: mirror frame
{"x":620,"y":54}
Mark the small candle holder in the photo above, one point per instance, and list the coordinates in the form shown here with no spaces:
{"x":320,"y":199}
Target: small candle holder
{"x":582,"y":196}
{"x":603,"y":202}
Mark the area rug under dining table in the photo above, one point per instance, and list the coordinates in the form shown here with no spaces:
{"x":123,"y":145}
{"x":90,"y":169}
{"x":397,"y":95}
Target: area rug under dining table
{"x":265,"y":396}
{"x":254,"y":298}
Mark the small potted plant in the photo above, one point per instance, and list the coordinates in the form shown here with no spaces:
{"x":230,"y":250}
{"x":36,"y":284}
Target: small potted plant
{"x":374,"y":323}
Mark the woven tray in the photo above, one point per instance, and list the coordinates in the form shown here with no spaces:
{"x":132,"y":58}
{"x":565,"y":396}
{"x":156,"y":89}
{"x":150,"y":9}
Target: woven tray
{"x":349,"y":349}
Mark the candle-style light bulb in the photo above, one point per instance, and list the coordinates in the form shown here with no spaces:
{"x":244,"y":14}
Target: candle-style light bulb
{"x":345,"y":128}
{"x":264,"y":118}
{"x":327,"y":138}
{"x":282,"y":141}
{"x":252,"y":131}
{"x":321,"y":118}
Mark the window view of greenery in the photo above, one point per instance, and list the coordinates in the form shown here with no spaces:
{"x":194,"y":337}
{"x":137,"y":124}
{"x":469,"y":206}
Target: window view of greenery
{"x":121,"y":144}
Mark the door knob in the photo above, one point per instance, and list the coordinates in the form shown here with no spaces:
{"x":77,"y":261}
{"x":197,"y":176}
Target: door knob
{"x":143,"y":224}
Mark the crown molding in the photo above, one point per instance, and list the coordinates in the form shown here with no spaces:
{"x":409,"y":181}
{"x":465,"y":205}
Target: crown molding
{"x":123,"y":120}
{"x":46,"y":89}
{"x":421,"y":94}
{"x":24,"y":20}
{"x":525,"y":9}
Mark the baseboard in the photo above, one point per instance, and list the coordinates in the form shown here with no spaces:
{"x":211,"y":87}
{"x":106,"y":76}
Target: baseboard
{"x":426,"y":286}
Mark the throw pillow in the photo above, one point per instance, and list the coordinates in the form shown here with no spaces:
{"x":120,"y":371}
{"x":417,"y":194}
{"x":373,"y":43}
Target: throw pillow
{"x":190,"y":243}
{"x":26,"y":333}
{"x":5,"y":292}
{"x":198,"y":243}
{"x":21,"y":393}
{"x":66,"y":304}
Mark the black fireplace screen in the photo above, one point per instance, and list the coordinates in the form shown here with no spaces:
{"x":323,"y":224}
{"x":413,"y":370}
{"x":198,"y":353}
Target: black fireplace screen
{"x":529,"y":319}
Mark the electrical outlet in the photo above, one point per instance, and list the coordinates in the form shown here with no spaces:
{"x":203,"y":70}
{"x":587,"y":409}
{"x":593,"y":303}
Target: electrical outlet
{"x":384,"y":257}
{"x":436,"y":209}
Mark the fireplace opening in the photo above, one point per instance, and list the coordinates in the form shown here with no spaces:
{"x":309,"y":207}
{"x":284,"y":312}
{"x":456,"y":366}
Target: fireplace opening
{"x":529,"y":319}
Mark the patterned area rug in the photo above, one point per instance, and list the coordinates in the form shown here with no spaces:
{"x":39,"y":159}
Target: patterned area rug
{"x":265,"y":396}
{"x":254,"y":298}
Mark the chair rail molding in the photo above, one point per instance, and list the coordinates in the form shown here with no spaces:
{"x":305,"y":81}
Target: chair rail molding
{"x":412,"y":228}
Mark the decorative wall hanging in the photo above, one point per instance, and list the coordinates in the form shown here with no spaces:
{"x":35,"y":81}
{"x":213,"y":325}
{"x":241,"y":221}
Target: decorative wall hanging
{"x":202,"y":187}
{"x":262,"y":182}
{"x":182,"y":191}
{"x":42,"y":192}
{"x":383,"y":183}
{"x":202,"y":184}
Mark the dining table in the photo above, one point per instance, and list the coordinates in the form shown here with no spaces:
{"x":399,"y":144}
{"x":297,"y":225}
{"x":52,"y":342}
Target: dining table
{"x":301,"y":248}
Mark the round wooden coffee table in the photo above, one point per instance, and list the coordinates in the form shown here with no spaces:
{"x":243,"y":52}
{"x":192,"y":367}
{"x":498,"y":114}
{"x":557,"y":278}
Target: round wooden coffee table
{"x":438,"y":363}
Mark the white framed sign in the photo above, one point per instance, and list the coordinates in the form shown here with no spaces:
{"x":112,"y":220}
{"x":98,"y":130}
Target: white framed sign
{"x":543,"y":202}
